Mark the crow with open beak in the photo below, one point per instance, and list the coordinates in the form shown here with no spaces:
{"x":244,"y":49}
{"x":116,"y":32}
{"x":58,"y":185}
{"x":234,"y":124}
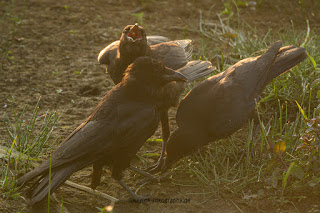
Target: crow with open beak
{"x":109,"y":53}
{"x":173,"y":54}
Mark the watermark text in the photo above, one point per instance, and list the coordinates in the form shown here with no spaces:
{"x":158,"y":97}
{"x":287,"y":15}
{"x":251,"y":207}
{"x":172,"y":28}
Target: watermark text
{"x":161,"y":200}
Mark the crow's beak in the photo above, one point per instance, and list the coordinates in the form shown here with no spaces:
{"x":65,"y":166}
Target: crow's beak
{"x":171,"y":75}
{"x":134,"y":33}
{"x":135,"y":27}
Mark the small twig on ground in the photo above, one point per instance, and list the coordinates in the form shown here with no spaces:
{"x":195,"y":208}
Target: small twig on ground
{"x":91,"y":191}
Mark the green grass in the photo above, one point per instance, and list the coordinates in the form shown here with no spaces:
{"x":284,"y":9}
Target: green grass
{"x":27,"y":138}
{"x":7,"y":180}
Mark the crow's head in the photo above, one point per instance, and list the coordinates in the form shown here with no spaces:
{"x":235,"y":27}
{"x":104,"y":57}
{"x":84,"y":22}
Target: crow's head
{"x":182,"y":142}
{"x":133,"y":41}
{"x":134,"y":33}
{"x":149,"y":71}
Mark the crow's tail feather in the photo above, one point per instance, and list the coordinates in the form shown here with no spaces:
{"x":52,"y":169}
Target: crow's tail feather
{"x":194,"y":70}
{"x":40,"y":189}
{"x":288,"y":57}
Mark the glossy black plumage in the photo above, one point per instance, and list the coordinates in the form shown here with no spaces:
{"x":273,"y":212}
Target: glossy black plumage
{"x":220,"y":105}
{"x":123,"y":120}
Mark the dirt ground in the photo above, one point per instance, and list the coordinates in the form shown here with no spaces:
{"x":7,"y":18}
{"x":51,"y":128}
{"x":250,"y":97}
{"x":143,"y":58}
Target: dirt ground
{"x":53,"y":54}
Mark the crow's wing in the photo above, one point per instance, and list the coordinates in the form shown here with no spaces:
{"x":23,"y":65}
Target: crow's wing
{"x":95,"y":139}
{"x":170,"y":54}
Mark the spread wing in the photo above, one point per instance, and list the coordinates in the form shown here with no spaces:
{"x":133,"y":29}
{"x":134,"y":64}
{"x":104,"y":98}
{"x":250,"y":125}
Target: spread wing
{"x":109,"y":53}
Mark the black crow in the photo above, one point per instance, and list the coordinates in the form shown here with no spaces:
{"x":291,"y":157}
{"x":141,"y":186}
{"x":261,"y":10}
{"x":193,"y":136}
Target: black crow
{"x":123,"y":120}
{"x":221,"y":104}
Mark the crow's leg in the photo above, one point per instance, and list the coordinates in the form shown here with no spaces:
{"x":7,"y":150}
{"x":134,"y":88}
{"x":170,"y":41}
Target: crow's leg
{"x":145,"y":174}
{"x":165,"y":128}
{"x":96,"y":175}
{"x":127,"y":188}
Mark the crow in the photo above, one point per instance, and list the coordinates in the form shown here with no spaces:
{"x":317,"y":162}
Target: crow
{"x":173,"y":54}
{"x":221,"y":104}
{"x":123,"y":120}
